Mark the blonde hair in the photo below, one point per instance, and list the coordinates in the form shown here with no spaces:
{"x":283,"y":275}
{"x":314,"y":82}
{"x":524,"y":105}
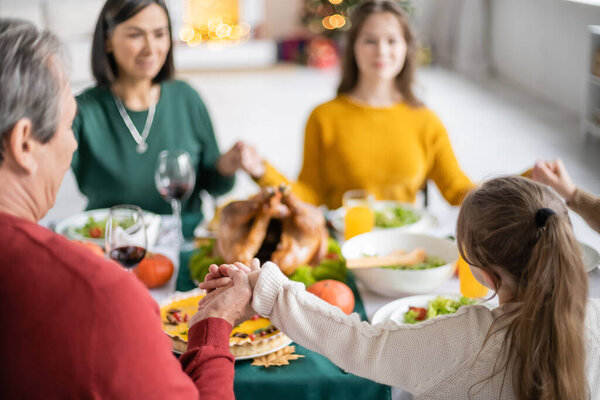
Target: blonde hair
{"x":405,"y":78}
{"x":500,"y":225}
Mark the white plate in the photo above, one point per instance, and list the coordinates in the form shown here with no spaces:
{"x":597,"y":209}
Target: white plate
{"x":396,"y":309}
{"x":287,"y":343}
{"x":426,"y":220}
{"x":591,"y":258}
{"x":68,"y":225}
{"x":252,"y":356}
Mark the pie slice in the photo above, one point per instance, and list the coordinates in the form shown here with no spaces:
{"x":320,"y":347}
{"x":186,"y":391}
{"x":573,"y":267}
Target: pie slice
{"x":256,"y":336}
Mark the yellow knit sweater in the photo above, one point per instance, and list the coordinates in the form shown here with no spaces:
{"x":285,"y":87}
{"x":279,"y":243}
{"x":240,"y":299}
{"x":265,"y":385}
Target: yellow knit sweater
{"x":389,"y":151}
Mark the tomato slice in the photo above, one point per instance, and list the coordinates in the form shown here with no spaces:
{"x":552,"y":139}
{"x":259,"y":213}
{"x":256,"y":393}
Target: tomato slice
{"x":96,"y":232}
{"x":421,"y":313}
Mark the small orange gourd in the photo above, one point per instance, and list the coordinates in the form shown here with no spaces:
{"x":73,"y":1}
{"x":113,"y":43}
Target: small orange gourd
{"x":334,"y":292}
{"x":154,"y":270}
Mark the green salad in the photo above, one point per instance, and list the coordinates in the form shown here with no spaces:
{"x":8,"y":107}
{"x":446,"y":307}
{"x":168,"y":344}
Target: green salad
{"x":438,"y":306}
{"x":94,"y":228}
{"x":333,"y":266}
{"x":202,"y":258}
{"x":394,"y":217}
{"x":430,"y":262}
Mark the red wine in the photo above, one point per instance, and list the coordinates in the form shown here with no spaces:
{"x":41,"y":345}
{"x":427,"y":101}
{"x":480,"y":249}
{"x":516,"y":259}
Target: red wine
{"x":128,"y":256}
{"x":175,"y":191}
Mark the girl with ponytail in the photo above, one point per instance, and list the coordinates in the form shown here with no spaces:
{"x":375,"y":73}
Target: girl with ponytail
{"x":541,"y":343}
{"x":517,"y":237}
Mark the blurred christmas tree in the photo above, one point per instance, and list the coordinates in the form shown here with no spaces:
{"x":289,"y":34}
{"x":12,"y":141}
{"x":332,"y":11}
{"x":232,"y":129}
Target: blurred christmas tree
{"x":332,"y":17}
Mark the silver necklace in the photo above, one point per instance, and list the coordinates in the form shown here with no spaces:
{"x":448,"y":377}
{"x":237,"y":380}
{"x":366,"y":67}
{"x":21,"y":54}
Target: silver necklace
{"x":142,"y":146}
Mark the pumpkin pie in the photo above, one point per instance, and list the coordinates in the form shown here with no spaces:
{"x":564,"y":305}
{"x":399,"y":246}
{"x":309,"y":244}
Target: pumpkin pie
{"x":254,"y":337}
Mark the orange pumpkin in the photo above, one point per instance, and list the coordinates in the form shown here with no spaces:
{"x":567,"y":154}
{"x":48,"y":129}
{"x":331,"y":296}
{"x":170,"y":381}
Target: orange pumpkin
{"x":91,"y":246}
{"x":334,"y":292}
{"x":154,"y":270}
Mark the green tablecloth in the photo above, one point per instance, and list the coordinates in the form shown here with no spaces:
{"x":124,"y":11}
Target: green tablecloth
{"x":312,"y":377}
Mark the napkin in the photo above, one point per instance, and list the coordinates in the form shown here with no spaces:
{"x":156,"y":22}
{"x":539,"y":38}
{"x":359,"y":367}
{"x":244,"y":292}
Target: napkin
{"x":152,"y":222}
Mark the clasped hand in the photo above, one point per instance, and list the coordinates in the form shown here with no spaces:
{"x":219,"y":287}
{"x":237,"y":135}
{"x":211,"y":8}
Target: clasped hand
{"x":241,"y":156}
{"x":229,"y":292}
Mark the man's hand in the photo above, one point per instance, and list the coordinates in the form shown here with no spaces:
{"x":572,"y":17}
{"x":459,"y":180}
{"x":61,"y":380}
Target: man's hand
{"x":230,"y":302}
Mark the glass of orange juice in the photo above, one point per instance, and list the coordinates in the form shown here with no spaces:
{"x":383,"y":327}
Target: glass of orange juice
{"x":359,"y":216}
{"x":469,"y":286}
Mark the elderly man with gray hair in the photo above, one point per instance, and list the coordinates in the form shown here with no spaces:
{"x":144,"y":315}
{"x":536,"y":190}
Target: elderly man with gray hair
{"x":73,"y":324}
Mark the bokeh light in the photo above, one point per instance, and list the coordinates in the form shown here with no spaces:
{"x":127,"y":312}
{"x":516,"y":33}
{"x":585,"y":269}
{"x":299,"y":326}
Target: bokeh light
{"x":327,"y":23}
{"x":223,"y":31}
{"x":186,"y":34}
{"x":213,"y":22}
{"x":337,"y":21}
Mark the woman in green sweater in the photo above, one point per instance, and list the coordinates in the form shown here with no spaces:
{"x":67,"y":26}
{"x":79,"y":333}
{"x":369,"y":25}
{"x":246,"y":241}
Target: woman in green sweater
{"x":136,"y":110}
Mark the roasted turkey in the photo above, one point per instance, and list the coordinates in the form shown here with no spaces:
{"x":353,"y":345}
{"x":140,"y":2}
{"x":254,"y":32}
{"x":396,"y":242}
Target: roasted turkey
{"x":272,"y":225}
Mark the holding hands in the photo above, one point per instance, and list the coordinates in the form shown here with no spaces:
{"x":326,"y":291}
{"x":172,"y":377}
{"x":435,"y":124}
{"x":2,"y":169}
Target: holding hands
{"x":241,"y":156}
{"x":554,"y":174}
{"x":229,"y":288}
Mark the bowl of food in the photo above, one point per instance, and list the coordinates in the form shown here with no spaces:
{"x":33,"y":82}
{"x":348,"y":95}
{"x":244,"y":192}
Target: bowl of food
{"x":390,"y":214}
{"x":396,"y":263}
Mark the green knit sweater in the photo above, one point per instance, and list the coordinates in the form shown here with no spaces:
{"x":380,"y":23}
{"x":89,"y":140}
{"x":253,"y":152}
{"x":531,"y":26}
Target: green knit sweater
{"x":108,"y":169}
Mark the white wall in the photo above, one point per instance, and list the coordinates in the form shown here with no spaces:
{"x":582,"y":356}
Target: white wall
{"x":283,"y":19}
{"x":543,"y":45}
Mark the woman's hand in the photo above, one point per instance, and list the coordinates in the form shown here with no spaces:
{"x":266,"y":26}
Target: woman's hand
{"x":554,"y":174}
{"x":243,"y":156}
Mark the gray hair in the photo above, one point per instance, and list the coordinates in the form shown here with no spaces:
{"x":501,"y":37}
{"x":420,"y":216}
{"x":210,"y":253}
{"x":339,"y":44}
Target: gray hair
{"x":32,"y":77}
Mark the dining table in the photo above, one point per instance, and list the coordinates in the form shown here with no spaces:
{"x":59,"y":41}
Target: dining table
{"x":314,"y":376}
{"x":311,"y":377}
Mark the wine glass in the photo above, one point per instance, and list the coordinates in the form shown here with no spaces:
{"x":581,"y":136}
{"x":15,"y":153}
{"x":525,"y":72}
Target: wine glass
{"x":175,"y":177}
{"x":125,"y":236}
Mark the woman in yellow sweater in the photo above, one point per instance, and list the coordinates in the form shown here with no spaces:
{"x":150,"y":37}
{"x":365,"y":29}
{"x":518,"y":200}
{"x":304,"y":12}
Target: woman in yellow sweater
{"x":375,"y":135}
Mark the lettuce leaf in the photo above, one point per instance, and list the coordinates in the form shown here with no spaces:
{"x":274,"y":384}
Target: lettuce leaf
{"x":202,"y":259}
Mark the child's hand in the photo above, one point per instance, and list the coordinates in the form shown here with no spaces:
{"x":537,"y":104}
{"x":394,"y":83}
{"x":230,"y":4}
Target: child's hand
{"x":218,"y":276}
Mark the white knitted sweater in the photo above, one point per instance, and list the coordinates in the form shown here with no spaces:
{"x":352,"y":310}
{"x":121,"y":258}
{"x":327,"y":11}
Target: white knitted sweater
{"x":436,"y":359}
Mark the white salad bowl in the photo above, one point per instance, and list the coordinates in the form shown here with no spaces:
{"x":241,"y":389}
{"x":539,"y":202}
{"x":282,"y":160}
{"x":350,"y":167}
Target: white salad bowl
{"x":398,"y":282}
{"x":425,"y":220}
